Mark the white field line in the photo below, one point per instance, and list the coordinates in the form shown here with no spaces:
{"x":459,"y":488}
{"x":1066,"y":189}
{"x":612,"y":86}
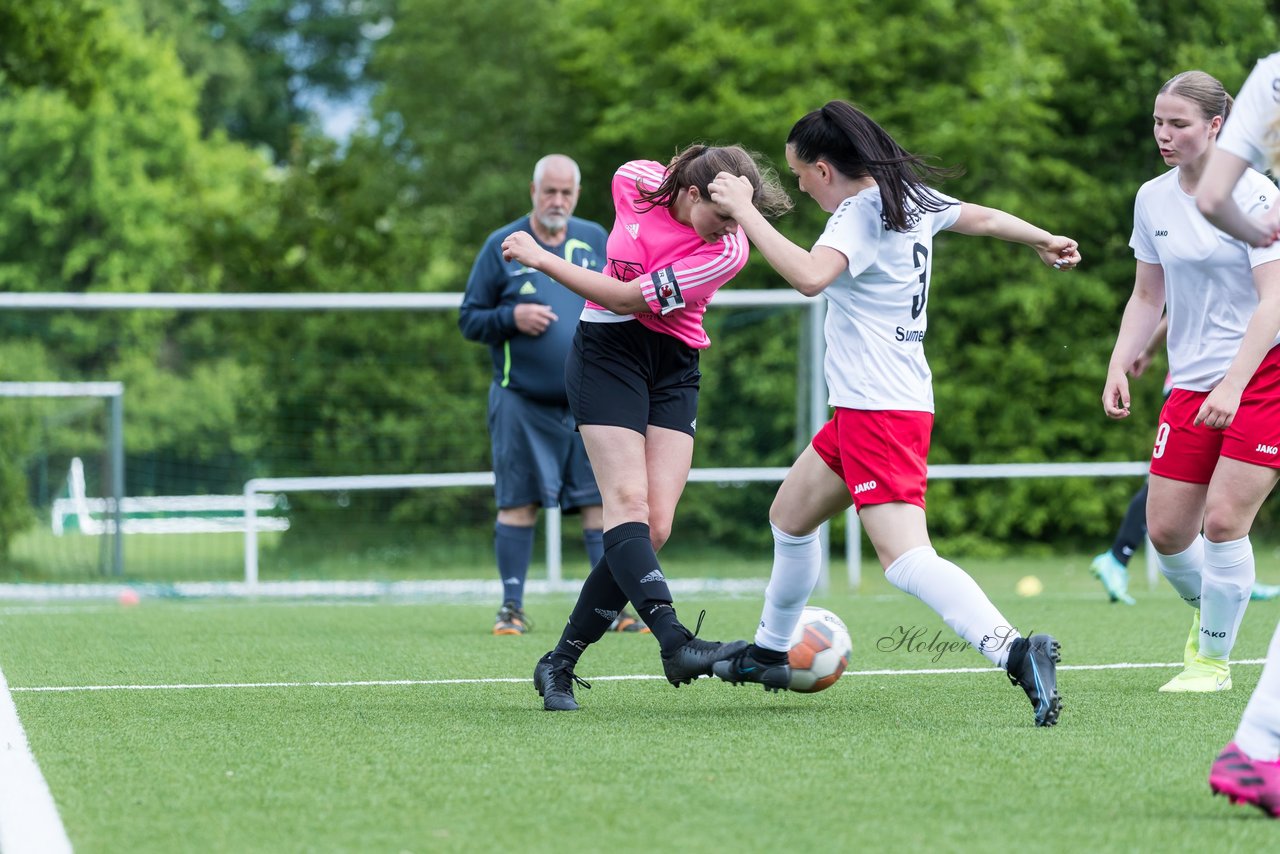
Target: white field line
{"x":29,"y":820}
{"x":388,"y":683}
{"x":443,"y":589}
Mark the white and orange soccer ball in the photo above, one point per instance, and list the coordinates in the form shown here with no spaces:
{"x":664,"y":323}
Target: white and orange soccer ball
{"x":820,"y":649}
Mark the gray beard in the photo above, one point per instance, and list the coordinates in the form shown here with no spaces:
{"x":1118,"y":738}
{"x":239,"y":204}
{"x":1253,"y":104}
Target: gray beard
{"x":553,"y":224}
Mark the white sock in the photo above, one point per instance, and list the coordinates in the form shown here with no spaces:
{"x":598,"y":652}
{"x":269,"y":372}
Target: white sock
{"x":1259,"y":732}
{"x":957,"y":598}
{"x":1224,"y":594}
{"x":1183,"y":570}
{"x":796,"y":564}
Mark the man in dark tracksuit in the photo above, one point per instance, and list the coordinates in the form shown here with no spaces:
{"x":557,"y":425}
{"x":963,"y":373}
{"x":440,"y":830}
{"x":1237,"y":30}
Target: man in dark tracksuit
{"x":528,"y":321}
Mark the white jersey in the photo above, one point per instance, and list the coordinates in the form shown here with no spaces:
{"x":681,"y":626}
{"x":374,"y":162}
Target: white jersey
{"x":1248,"y":133}
{"x":876,"y":318}
{"x":1208,"y":275}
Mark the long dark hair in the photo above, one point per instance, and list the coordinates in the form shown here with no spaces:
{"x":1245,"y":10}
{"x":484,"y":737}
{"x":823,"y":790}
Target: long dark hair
{"x":850,"y":141}
{"x":698,"y":165}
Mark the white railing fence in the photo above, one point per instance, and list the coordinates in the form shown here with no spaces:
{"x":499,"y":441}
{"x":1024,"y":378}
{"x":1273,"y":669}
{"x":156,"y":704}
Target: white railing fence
{"x":814,"y":409}
{"x":254,"y":489}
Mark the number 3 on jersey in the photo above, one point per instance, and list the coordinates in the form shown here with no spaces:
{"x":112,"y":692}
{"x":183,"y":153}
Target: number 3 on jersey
{"x":920,"y":258}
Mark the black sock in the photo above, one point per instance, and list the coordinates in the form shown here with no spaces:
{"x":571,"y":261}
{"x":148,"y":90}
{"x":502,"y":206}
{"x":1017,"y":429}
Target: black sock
{"x":634,"y":564}
{"x":1133,"y":529}
{"x":598,"y":605}
{"x":661,"y":620}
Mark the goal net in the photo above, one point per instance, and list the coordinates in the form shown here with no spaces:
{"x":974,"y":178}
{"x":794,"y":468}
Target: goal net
{"x":51,"y":428}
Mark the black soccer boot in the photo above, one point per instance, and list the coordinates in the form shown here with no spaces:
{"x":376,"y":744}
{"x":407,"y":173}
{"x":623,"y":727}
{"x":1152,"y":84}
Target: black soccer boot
{"x":1032,"y":665}
{"x":696,"y":658}
{"x":554,"y":680}
{"x":746,"y":667}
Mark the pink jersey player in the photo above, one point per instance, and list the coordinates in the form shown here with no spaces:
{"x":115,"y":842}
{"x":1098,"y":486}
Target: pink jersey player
{"x":678,"y":271}
{"x":632,"y":381}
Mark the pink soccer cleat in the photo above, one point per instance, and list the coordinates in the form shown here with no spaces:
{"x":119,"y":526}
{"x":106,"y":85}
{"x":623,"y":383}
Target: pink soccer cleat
{"x":1246,"y":781}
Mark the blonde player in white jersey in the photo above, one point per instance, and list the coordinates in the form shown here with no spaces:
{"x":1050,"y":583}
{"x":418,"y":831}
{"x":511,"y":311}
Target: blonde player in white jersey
{"x":1215,"y":454}
{"x":1247,"y":770}
{"x":873,"y":265}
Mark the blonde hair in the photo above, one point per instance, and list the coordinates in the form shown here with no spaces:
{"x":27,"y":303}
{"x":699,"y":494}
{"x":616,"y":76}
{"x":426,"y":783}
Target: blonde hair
{"x":1202,"y":89}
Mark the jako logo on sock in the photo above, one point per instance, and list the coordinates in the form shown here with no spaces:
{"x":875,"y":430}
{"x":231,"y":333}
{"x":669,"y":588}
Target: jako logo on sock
{"x":656,"y":575}
{"x":608,"y":615}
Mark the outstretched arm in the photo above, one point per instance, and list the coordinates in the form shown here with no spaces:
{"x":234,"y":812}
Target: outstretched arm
{"x":1213,"y":198}
{"x":619,"y":297}
{"x":1059,"y":252}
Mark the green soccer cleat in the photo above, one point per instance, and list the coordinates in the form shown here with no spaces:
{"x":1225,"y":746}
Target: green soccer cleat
{"x":1264,"y":592}
{"x":1202,"y":676}
{"x":1114,"y":577}
{"x":1192,"y":649}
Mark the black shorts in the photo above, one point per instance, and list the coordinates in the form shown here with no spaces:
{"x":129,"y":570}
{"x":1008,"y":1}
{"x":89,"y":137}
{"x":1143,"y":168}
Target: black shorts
{"x":626,"y":375}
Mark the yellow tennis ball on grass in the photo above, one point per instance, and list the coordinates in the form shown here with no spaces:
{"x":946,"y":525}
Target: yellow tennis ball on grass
{"x":1029,"y":585}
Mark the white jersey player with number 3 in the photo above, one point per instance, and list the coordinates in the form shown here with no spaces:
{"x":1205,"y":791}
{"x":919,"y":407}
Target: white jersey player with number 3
{"x":873,"y":264}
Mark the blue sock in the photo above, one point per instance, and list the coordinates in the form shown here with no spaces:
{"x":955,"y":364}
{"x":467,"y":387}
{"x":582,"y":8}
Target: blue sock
{"x":593,"y":539}
{"x":514,"y":548}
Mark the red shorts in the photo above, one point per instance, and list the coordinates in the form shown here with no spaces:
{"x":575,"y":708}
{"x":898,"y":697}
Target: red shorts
{"x":882,"y":455}
{"x":1190,"y":454}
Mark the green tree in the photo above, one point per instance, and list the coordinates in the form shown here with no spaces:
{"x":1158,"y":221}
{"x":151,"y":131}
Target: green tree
{"x":1053,"y":129}
{"x":262,"y":66}
{"x":53,"y":45}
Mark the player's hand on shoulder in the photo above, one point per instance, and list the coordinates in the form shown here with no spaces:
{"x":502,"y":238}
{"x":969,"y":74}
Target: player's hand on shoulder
{"x":1272,"y":224}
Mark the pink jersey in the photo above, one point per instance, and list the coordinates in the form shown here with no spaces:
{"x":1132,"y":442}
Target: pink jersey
{"x":681,"y":272}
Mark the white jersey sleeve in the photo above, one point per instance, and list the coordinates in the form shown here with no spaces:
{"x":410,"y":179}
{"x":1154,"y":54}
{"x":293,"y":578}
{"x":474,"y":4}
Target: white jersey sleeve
{"x":1248,"y":133}
{"x":854,"y":231}
{"x":944,"y":219}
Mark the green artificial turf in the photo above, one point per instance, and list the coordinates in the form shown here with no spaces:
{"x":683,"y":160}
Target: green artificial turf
{"x":254,"y":761}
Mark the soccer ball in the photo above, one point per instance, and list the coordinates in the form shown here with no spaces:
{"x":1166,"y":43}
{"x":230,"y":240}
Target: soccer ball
{"x":820,"y":648}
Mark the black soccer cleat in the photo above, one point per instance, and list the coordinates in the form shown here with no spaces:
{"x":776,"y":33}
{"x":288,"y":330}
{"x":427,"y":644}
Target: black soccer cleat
{"x":745,"y":667}
{"x":696,"y":658}
{"x":1032,"y":666}
{"x":554,"y":680}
